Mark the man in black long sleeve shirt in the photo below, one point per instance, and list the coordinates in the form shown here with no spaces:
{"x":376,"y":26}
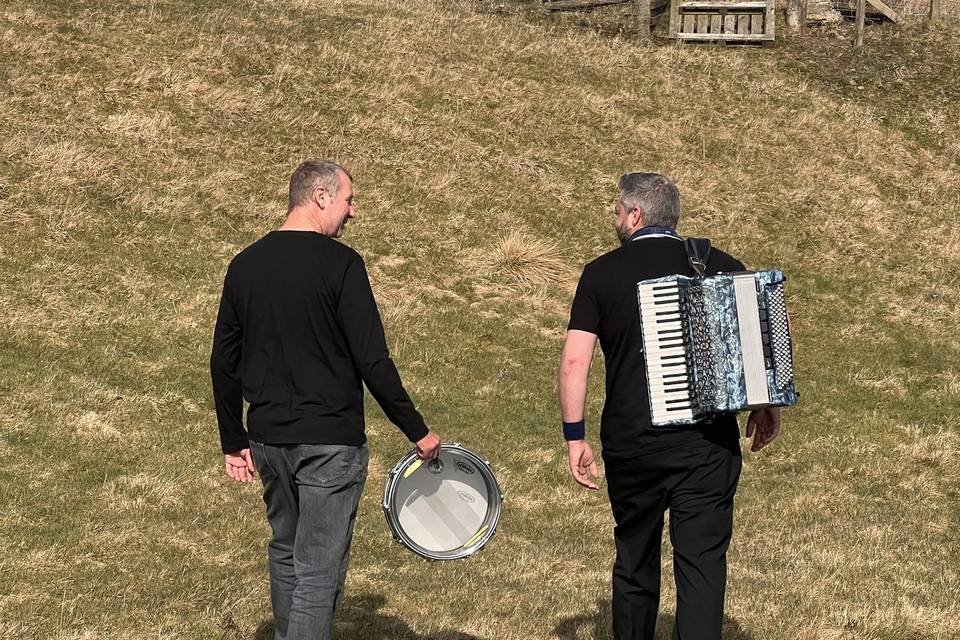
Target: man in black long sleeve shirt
{"x":297,"y":335}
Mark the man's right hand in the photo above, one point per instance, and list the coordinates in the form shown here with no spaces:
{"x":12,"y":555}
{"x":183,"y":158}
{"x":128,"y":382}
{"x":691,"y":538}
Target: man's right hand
{"x":239,"y":465}
{"x":428,"y":446}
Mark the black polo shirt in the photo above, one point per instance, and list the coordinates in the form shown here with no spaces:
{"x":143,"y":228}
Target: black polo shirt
{"x":606,"y":305}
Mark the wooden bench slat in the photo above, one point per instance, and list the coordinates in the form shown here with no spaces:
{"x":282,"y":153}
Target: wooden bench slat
{"x":746,"y":37}
{"x":729,"y":6}
{"x":564,"y":5}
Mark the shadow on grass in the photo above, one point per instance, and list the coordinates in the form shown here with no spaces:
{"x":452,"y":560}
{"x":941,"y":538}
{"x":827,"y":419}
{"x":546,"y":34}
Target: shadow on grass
{"x":597,"y":625}
{"x":357,"y":619}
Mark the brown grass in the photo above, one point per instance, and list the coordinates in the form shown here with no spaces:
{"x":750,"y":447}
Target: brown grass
{"x":142,"y":145}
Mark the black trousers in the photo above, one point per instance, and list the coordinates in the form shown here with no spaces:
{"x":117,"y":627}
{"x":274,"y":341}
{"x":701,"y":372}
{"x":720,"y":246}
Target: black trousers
{"x":697,"y":485}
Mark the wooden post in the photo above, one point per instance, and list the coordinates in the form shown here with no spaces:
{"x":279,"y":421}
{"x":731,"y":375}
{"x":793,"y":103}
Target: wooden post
{"x":803,"y":17}
{"x":861,"y":17}
{"x":674,"y":18}
{"x":643,"y":17}
{"x":792,"y":17}
{"x":769,"y":20}
{"x":934,"y":10}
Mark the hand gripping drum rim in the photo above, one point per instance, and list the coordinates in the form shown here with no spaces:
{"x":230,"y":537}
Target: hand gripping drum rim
{"x":452,"y":454}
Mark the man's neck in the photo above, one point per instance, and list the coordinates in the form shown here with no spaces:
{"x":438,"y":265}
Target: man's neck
{"x":300,"y":220}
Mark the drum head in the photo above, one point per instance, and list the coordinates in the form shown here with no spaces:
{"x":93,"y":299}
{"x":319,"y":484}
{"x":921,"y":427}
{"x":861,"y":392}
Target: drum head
{"x":444,"y":508}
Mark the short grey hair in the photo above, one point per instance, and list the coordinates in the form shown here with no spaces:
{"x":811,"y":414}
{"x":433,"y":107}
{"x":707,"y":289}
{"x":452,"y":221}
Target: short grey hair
{"x":312,"y":174}
{"x":654,"y":194}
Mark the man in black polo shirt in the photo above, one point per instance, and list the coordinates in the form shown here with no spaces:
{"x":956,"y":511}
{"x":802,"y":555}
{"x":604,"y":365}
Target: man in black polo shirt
{"x":297,"y":335}
{"x":692,"y":470}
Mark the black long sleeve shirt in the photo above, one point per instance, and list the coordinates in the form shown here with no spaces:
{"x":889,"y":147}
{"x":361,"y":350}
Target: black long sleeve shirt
{"x":297,"y":335}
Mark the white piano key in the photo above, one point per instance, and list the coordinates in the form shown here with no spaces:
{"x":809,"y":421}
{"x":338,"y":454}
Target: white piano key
{"x":660,"y":368}
{"x":678,"y":415}
{"x":667,"y":351}
{"x":663,"y":396}
{"x":659,"y":299}
{"x":680,"y":385}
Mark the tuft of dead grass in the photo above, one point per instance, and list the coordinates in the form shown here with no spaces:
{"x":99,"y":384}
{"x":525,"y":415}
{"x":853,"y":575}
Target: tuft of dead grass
{"x":520,"y":259}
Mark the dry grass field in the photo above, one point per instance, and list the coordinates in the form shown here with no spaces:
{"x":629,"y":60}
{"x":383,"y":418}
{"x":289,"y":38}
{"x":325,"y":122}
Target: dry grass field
{"x":143,"y":143}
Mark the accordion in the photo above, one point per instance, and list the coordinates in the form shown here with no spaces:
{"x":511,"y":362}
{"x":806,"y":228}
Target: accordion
{"x":715,"y":344}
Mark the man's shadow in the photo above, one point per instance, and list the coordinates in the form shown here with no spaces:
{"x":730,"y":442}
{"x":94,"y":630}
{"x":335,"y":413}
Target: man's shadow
{"x":357,"y":619}
{"x":597,"y":626}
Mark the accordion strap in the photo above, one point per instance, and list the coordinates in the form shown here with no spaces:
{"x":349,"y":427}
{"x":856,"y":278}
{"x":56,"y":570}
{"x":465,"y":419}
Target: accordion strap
{"x":698,"y":252}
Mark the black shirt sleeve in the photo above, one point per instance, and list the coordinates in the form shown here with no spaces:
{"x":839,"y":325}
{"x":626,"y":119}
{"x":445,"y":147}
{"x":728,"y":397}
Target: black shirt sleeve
{"x":225,"y":373}
{"x":584,"y":312}
{"x":360,"y":319}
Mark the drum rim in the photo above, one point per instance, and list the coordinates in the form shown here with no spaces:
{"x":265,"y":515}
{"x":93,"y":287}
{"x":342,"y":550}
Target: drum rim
{"x":494,"y":505}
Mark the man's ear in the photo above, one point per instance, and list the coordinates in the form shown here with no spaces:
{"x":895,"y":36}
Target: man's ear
{"x":636,"y":216}
{"x":320,"y":197}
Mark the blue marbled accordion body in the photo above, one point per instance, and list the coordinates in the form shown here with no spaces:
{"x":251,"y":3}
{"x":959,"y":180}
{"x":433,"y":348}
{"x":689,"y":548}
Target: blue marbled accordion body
{"x":715,"y":344}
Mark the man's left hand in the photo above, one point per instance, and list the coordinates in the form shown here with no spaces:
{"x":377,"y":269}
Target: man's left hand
{"x":239,"y":465}
{"x":763,"y":425}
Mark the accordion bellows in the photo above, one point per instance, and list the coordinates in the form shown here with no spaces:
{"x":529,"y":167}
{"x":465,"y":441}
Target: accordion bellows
{"x":715,"y":344}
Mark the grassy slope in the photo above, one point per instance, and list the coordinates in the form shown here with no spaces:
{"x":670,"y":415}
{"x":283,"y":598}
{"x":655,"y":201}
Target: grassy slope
{"x":141,"y":147}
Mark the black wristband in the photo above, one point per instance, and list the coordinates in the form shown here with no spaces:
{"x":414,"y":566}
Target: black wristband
{"x":574,"y":431}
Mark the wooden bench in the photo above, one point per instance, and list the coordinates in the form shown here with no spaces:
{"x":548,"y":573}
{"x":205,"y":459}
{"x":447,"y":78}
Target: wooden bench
{"x":717,"y":21}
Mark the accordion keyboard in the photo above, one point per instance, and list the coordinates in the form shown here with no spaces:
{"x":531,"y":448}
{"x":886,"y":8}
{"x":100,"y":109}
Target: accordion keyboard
{"x":664,"y":344}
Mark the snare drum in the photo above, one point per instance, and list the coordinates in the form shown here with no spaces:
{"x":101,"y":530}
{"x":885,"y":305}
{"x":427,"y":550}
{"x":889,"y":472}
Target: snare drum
{"x":445,"y":508}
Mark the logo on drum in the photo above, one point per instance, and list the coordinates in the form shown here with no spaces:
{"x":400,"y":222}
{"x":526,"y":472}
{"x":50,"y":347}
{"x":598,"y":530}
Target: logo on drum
{"x":463,"y":466}
{"x":466,"y":497}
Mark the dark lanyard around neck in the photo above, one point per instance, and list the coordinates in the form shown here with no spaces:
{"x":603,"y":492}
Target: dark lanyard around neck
{"x":653,"y":230}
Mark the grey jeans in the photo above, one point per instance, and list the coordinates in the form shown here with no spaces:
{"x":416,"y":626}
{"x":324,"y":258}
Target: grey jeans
{"x":311,"y":492}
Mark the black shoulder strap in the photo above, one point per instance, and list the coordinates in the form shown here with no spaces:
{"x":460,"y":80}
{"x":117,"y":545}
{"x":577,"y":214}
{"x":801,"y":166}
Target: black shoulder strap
{"x":698,"y":252}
